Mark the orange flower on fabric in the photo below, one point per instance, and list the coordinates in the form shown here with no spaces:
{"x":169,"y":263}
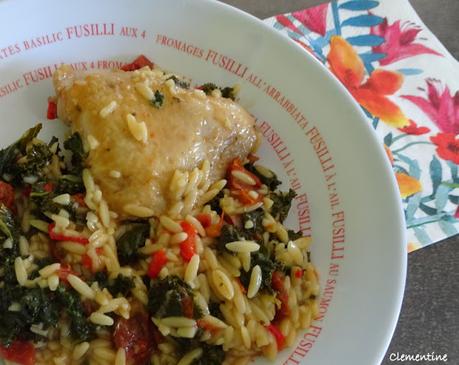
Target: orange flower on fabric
{"x":413,"y":246}
{"x":407,"y":184}
{"x":346,"y":64}
{"x":389,"y":154}
{"x":447,"y":146}
{"x":414,"y":129}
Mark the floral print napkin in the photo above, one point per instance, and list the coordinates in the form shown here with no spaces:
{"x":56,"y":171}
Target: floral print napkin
{"x":407,"y":83}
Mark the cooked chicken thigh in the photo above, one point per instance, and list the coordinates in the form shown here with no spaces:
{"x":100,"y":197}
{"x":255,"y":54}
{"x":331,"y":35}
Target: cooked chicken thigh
{"x":141,"y":126}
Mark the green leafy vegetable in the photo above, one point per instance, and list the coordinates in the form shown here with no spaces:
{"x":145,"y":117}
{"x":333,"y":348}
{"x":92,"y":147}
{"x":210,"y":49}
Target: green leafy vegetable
{"x":9,"y":154}
{"x":80,"y":328}
{"x":271,"y":182}
{"x":228,"y":234}
{"x":211,"y":355}
{"x":70,"y":184}
{"x":37,"y":157}
{"x":215,"y":202}
{"x":267,"y":266}
{"x":130,"y":242}
{"x":8,"y":225}
{"x":74,"y":144}
{"x":171,"y":296}
{"x":214,"y":309}
{"x":256,"y":218}
{"x":158,"y":99}
{"x":282,"y":202}
{"x":121,"y":285}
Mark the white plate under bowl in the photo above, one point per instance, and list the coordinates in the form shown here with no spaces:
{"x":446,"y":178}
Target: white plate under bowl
{"x":325,"y":148}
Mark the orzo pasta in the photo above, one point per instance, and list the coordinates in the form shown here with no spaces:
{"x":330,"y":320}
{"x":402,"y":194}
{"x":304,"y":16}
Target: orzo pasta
{"x":215,"y":278}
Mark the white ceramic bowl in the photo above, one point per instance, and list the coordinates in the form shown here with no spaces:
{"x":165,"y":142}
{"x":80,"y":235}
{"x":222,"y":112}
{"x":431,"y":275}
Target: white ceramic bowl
{"x":315,"y":136}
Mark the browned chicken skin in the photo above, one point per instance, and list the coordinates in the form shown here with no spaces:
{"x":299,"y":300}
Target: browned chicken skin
{"x":133,"y":162}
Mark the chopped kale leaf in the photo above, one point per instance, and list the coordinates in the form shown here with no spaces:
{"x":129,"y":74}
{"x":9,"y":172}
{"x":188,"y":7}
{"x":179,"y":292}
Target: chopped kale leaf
{"x":9,"y":228}
{"x":38,"y":156}
{"x":120,"y":285}
{"x":215,"y":203}
{"x":9,"y":155}
{"x":271,"y":182}
{"x":214,"y":309}
{"x":282,"y":202}
{"x":267,"y":267}
{"x":130,"y":242}
{"x":80,"y":328}
{"x":171,"y":296}
{"x":33,"y":306}
{"x":228,"y":234}
{"x":211,"y":355}
{"x":256,"y":218}
{"x":70,"y":184}
{"x":74,"y":144}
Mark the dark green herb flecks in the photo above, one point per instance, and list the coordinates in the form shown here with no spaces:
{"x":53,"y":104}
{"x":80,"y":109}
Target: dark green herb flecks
{"x":180,"y":83}
{"x":227,"y":92}
{"x":158,"y":99}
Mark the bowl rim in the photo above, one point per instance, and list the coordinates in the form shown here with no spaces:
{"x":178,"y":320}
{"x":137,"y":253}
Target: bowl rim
{"x":396,"y":302}
{"x":392,"y":191}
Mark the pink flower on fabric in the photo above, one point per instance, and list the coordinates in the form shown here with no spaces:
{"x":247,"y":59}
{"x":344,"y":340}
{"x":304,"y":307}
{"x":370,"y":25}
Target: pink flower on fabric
{"x":441,"y":107}
{"x":399,"y":43}
{"x":315,"y":19}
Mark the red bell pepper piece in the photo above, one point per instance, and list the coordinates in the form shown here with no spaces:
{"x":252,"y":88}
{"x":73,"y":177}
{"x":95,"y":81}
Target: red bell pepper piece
{"x":240,"y":189}
{"x":6,"y":194}
{"x":20,"y":352}
{"x":62,"y":237}
{"x":205,"y":219}
{"x":188,"y":246}
{"x":158,"y":261}
{"x":86,"y":260}
{"x":138,"y":63}
{"x":51,"y":114}
{"x":48,"y":187}
{"x":280,"y":338}
{"x":299,"y":273}
{"x":215,"y":229}
{"x":65,"y":271}
{"x":277,"y":283}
